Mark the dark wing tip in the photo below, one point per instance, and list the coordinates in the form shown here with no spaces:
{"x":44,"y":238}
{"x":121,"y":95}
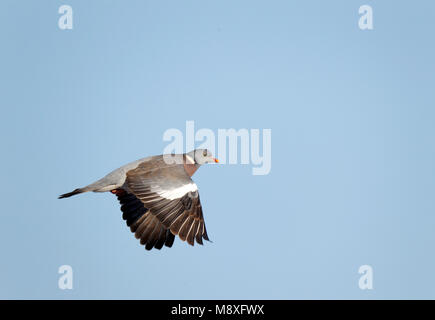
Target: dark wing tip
{"x":205,"y":236}
{"x":169,"y":238}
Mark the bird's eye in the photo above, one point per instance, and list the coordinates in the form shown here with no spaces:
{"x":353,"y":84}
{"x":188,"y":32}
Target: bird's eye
{"x":204,"y":153}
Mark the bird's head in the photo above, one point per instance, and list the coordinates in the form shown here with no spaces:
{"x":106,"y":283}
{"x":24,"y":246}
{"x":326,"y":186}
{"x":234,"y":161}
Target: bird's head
{"x":202,"y":156}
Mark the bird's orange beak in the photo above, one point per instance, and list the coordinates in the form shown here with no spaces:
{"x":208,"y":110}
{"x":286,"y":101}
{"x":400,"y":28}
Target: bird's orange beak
{"x":216,"y":160}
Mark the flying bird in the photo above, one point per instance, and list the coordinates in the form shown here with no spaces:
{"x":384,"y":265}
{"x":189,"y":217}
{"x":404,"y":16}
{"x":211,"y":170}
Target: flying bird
{"x":158,"y":198}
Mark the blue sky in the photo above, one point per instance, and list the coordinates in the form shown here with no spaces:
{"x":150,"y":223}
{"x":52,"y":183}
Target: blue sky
{"x":351,"y":114}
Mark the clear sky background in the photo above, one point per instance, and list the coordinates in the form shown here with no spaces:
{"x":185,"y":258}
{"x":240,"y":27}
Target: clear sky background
{"x":352,"y":116}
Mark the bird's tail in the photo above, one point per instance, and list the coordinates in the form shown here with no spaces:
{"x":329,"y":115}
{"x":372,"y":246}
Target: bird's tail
{"x":72,"y":193}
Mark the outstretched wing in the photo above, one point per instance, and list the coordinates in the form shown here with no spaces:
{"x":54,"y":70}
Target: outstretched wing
{"x":171,"y":197}
{"x":145,"y":226}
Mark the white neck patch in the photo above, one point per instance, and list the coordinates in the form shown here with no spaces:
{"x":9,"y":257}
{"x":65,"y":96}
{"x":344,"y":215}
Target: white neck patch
{"x":189,"y":160}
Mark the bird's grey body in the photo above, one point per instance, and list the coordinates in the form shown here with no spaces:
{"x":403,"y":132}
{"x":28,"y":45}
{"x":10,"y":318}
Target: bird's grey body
{"x":116,"y":178}
{"x":159,"y":199}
